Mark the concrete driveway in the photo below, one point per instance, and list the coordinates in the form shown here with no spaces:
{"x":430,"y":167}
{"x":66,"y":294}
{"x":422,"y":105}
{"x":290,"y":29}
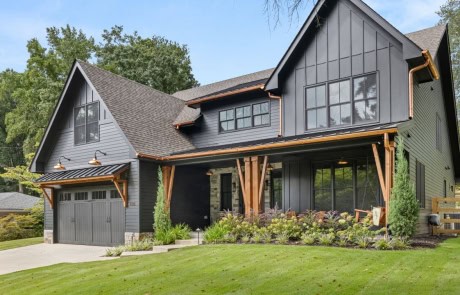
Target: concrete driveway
{"x":48,"y":254}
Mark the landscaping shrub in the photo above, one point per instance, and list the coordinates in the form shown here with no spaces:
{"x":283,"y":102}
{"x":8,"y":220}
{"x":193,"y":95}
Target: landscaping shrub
{"x":285,"y":226}
{"x":382,"y":244}
{"x":404,"y":207}
{"x":181,"y":231}
{"x":397,"y":243}
{"x":162,"y":219}
{"x":216,"y":233}
{"x":15,"y":226}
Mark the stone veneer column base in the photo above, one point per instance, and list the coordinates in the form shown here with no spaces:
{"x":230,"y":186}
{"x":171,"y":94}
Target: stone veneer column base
{"x":48,"y":236}
{"x":131,"y":237}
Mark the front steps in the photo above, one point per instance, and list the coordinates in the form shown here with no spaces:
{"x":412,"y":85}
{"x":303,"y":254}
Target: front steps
{"x":193,"y":241}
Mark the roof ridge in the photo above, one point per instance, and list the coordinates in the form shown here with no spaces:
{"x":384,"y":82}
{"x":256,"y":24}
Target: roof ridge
{"x":129,"y":80}
{"x":428,"y":28}
{"x":225,"y":80}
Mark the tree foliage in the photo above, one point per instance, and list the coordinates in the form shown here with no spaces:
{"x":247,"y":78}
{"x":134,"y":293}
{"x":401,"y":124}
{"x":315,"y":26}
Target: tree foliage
{"x":155,"y":61}
{"x":450,"y":13}
{"x":404,"y":207}
{"x":20,"y":174}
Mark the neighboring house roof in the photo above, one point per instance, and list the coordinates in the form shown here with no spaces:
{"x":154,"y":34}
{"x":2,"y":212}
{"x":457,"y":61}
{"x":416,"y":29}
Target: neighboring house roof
{"x":99,"y":171}
{"x":222,"y":86}
{"x":143,"y":113}
{"x":16,"y":201}
{"x":428,"y":38}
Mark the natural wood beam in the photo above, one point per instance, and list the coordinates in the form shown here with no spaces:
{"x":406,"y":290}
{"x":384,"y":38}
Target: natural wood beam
{"x":171,"y":183}
{"x":247,"y":186}
{"x":242,"y":184}
{"x":122,"y":191}
{"x":50,"y":197}
{"x":262,"y":183}
{"x":379,"y":169}
{"x":255,"y":181}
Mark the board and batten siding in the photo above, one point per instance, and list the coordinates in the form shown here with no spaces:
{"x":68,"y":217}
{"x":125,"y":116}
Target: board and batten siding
{"x":421,"y":145}
{"x":209,"y":135}
{"x":148,"y":183}
{"x":111,"y":142}
{"x":346,"y":43}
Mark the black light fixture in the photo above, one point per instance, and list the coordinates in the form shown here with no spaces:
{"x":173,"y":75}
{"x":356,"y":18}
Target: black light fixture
{"x":59,"y":165}
{"x":95,"y":161}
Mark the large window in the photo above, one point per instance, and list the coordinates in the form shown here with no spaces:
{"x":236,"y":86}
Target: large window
{"x":346,"y":102}
{"x":86,"y":123}
{"x":346,"y":186}
{"x":316,"y":107}
{"x":339,"y":103}
{"x":226,"y":192}
{"x":365,"y":98}
{"x":245,"y":117}
{"x":276,"y":196}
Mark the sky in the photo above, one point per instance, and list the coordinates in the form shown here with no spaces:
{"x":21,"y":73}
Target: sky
{"x":225,"y":38}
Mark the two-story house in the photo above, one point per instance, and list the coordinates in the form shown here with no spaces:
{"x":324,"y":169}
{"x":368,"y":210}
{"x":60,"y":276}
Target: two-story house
{"x":316,"y":132}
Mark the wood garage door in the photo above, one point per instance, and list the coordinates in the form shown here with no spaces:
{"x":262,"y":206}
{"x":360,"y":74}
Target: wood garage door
{"x":90,"y":217}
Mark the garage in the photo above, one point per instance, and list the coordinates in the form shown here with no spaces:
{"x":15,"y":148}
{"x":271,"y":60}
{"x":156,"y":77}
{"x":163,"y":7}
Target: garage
{"x":90,"y":216}
{"x":88,"y":204}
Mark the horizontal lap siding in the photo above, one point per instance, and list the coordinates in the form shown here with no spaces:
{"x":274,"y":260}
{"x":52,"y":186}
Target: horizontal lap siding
{"x":134,"y":204}
{"x":209,"y":134}
{"x":421,"y":145}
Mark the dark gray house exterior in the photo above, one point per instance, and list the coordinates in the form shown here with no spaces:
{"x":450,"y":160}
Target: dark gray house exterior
{"x":316,"y":132}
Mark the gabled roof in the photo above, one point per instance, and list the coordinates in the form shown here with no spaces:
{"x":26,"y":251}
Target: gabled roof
{"x":143,"y":114}
{"x":429,"y":38}
{"x":187,"y":116}
{"x":410,"y":49}
{"x":17,"y":201}
{"x":222,"y":86}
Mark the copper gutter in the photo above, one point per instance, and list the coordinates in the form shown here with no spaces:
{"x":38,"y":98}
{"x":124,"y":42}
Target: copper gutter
{"x":269,"y":146}
{"x":279,"y":98}
{"x":433,"y":70}
{"x":178,"y":125}
{"x":224,"y":94}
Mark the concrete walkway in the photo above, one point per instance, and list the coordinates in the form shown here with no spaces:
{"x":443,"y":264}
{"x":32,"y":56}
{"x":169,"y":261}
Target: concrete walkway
{"x":46,"y":254}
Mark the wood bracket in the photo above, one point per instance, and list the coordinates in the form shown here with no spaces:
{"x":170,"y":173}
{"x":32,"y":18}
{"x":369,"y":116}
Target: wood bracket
{"x":262,"y":181}
{"x":49,"y":197}
{"x":168,"y":182}
{"x":242,"y":183}
{"x":123,"y":191}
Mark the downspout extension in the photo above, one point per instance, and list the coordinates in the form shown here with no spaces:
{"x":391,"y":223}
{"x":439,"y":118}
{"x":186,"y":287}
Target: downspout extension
{"x":433,"y":70}
{"x":279,"y":98}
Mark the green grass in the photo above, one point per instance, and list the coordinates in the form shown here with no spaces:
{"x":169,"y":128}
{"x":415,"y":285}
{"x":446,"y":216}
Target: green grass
{"x":20,"y":243}
{"x":253,"y":269}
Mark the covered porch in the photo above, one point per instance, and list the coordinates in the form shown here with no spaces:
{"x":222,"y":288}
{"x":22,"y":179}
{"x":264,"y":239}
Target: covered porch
{"x":341,"y":172}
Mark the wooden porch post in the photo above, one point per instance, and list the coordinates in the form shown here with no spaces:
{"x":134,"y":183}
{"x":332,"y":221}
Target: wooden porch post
{"x":168,"y":181}
{"x":248,"y":186}
{"x":255,"y":181}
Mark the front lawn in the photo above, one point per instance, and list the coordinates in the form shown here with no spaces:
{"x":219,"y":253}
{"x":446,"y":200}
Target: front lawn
{"x":20,"y":243}
{"x":253,"y":269}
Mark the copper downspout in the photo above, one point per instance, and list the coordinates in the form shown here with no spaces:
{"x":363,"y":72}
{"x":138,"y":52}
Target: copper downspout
{"x":434,"y":72}
{"x":279,"y":98}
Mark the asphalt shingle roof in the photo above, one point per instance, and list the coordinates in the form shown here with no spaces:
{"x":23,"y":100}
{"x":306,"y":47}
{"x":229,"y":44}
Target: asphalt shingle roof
{"x":145,"y":115}
{"x":221,"y":86}
{"x":428,"y":38}
{"x":17,"y":201}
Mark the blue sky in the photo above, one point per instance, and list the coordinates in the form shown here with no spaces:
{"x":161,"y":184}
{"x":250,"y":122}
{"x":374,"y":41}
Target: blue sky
{"x":225,"y":38}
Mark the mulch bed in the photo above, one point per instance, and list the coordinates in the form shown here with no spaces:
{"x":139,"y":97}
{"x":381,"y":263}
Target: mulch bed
{"x":428,"y":241}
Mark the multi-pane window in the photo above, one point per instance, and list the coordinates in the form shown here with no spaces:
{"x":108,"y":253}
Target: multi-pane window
{"x":438,"y":133}
{"x":322,"y":189}
{"x":261,"y":114}
{"x":98,"y":195}
{"x":316,"y":107}
{"x":339,"y":103}
{"x":86,"y":123}
{"x":365,"y":98}
{"x":243,"y":117}
{"x":227,"y":120}
{"x":81,"y":196}
{"x":65,"y":197}
{"x":114,"y":194}
{"x":276,"y":196}
{"x":226,"y":192}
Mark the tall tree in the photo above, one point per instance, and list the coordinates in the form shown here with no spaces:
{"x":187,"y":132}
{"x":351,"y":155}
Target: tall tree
{"x":450,"y":13}
{"x":154,"y":61}
{"x":39,"y":86}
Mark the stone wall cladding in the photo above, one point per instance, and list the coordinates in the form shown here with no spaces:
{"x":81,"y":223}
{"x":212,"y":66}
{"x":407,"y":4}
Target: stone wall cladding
{"x":131,"y":237}
{"x":48,"y":236}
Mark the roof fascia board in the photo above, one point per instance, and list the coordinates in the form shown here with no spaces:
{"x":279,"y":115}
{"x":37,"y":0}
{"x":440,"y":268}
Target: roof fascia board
{"x":33,"y":165}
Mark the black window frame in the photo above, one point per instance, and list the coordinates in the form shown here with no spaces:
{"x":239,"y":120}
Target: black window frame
{"x":244,"y":117}
{"x":316,"y":107}
{"x":365,"y":99}
{"x":340,"y":103}
{"x":235,"y":119}
{"x":99,"y":195}
{"x":226,"y":194}
{"x":352,"y":103}
{"x":81,"y":196}
{"x":261,"y":114}
{"x":85,"y":107}
{"x":276,"y":174}
{"x":64,"y":197}
{"x":438,"y":133}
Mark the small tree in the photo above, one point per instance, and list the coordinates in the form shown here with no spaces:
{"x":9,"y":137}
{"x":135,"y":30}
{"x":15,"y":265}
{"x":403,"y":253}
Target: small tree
{"x":161,"y":217}
{"x":404,"y":207}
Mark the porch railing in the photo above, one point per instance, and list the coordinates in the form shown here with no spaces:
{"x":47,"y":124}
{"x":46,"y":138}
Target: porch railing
{"x":449,"y":212}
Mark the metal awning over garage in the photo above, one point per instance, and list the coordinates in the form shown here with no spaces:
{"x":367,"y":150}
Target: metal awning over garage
{"x":105,"y":173}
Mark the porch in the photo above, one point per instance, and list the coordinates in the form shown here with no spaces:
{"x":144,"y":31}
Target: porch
{"x":340,"y":175}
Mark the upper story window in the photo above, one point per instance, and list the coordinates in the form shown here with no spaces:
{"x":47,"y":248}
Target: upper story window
{"x":346,"y":102}
{"x":244,"y":117}
{"x":86,"y":123}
